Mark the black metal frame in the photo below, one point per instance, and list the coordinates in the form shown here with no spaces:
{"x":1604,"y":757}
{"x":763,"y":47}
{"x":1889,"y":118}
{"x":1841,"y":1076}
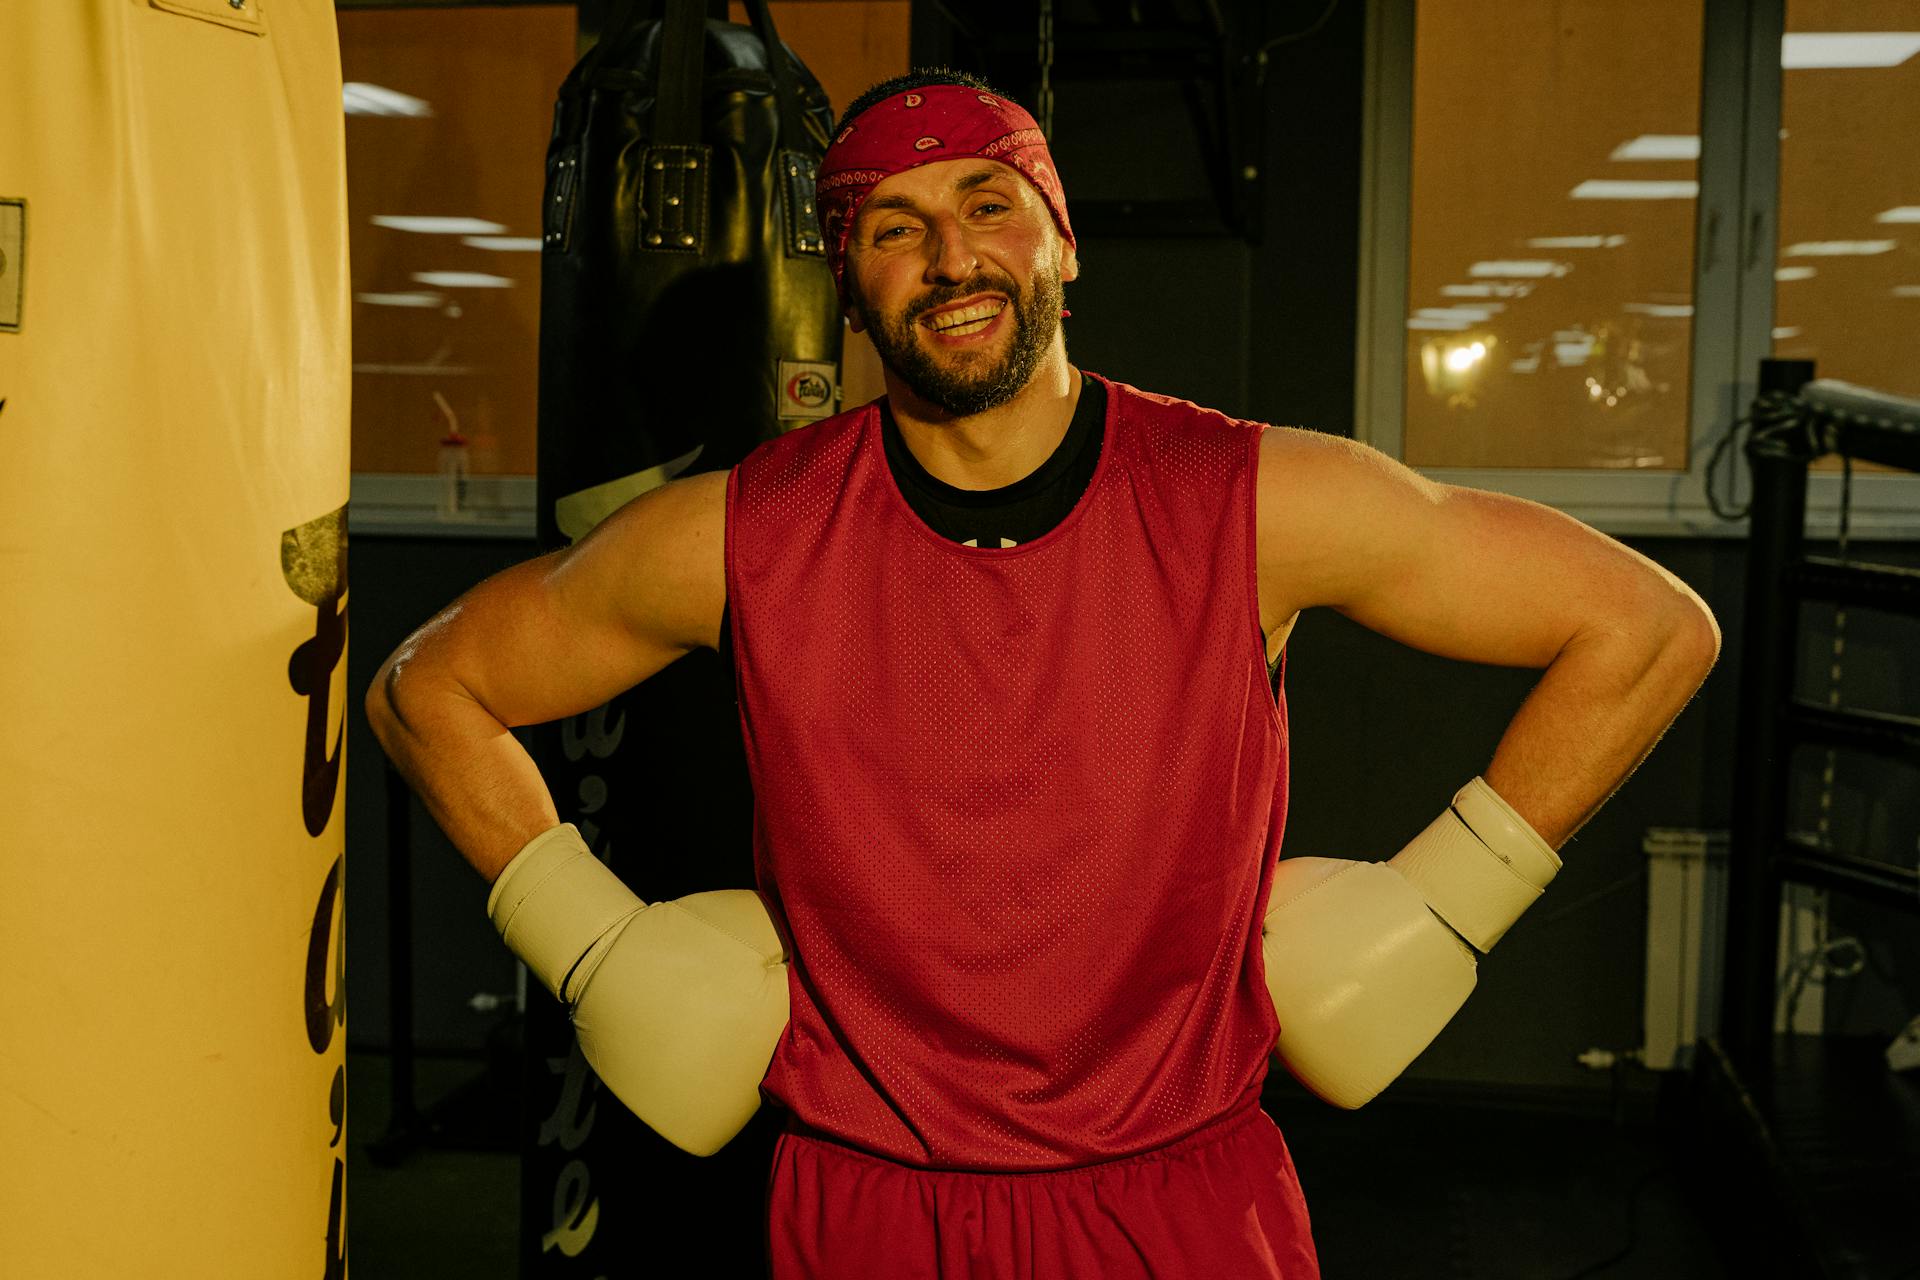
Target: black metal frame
{"x":1771,"y":1116}
{"x":1797,"y":421}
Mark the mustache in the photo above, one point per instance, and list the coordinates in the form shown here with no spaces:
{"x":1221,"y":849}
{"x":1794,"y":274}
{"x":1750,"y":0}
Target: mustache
{"x":945,"y":295}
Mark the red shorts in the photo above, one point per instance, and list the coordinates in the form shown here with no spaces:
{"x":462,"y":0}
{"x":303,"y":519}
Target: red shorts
{"x":1220,"y":1204}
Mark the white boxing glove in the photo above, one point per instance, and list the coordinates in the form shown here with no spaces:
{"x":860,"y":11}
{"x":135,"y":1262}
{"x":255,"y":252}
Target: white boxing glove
{"x":678,"y":1005}
{"x":1361,"y":968}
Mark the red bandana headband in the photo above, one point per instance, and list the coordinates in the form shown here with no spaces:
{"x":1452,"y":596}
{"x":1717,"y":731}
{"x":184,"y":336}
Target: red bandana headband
{"x":920,"y":126}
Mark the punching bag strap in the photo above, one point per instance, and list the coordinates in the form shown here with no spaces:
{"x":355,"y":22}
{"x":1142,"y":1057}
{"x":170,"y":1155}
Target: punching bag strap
{"x":799,"y":157}
{"x":785,"y":95}
{"x":673,"y":178}
{"x":683,"y":47}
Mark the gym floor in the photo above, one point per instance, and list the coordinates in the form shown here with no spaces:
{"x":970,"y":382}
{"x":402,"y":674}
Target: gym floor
{"x":1423,"y":1187}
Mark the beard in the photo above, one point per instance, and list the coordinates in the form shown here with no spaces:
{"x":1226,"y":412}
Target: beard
{"x":975,"y":382}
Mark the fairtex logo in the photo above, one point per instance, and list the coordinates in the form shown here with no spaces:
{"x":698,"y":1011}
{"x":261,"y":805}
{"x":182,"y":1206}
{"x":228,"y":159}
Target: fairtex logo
{"x":809,"y":390}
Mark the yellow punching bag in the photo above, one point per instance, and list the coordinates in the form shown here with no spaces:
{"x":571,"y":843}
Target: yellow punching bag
{"x":174,"y":376}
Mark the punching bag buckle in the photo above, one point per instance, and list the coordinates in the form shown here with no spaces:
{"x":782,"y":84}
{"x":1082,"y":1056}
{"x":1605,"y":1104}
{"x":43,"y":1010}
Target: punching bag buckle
{"x":798,"y":171}
{"x":673,"y":199}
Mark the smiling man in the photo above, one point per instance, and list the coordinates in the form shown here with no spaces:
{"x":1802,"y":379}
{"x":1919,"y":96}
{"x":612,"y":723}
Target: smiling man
{"x":1009,"y":646}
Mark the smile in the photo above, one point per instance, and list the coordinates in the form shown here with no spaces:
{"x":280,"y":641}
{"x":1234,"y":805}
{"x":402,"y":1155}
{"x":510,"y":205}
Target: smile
{"x":962,"y":321}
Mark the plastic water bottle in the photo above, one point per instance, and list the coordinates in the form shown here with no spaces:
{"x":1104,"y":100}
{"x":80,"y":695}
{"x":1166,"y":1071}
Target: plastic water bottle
{"x":453,"y":474}
{"x":453,"y":464}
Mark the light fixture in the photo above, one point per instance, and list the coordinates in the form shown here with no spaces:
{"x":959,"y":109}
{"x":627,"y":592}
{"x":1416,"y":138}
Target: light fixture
{"x":1664,"y":310}
{"x":1631,"y":189}
{"x":1460,"y":313}
{"x":1838,"y":248}
{"x":1576,"y":242}
{"x":463,"y":280}
{"x":1785,"y":331}
{"x":374,"y":100}
{"x":435,"y":226}
{"x":505,"y":244}
{"x":1811,"y":50}
{"x":1451,"y":367}
{"x":1534,"y":269}
{"x":1795,"y":273}
{"x":420,"y":299}
{"x":1659,"y":146}
{"x":1905,"y":213}
{"x":1485,"y":290}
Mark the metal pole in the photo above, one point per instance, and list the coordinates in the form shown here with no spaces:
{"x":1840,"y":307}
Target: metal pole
{"x":1775,"y":536}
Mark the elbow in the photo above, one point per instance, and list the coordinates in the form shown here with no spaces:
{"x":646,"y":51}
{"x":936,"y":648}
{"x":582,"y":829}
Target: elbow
{"x":1686,"y":624}
{"x":1712,"y":638}
{"x":1701,"y":628}
{"x":1695,"y":639}
{"x":382,"y":703}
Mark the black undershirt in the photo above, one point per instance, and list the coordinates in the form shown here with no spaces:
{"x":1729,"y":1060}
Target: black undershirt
{"x":1005,"y":517}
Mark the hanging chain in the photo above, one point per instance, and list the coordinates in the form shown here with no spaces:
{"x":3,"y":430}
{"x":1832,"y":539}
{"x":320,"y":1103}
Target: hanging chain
{"x":1045,"y":96}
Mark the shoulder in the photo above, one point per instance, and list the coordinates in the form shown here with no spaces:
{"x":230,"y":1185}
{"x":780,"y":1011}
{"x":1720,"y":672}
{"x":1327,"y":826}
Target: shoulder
{"x":1167,"y":431}
{"x":804,"y":446}
{"x":789,"y":488}
{"x":1166,"y":412}
{"x":1316,"y":469}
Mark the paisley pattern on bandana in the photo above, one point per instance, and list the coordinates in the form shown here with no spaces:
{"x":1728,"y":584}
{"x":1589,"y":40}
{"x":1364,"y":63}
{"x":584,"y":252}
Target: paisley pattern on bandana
{"x":935,"y":122}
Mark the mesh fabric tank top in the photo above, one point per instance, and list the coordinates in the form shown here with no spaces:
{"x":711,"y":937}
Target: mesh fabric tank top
{"x":1016,"y":810}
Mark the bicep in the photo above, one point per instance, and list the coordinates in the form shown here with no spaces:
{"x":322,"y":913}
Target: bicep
{"x":564,"y":632}
{"x":1458,"y":572}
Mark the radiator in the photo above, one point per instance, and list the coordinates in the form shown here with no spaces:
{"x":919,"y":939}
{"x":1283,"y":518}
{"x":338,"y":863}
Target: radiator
{"x":1686,"y":939}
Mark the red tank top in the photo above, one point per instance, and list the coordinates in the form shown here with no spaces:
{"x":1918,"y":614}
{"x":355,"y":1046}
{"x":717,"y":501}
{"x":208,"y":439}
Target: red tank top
{"x":1016,"y":810}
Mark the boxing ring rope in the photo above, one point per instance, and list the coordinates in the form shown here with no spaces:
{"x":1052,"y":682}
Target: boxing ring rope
{"x":1793,"y":427}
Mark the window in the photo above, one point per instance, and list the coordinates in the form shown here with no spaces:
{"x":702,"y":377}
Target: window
{"x":1570,"y":242}
{"x":1550,"y":263}
{"x":1847,"y":279}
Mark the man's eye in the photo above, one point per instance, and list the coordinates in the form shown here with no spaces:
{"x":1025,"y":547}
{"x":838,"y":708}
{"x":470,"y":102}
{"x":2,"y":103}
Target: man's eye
{"x":990,"y":206}
{"x":888,"y":233}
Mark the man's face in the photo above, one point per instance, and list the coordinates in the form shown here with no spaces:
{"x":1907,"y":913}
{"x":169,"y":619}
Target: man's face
{"x":955,"y":269}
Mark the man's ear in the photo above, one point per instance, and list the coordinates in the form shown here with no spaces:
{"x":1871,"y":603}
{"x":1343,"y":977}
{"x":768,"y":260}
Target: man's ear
{"x":856,"y":321}
{"x":1069,"y":263}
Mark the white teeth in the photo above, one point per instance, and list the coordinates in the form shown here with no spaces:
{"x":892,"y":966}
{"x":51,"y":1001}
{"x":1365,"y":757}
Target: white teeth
{"x":964,"y":319}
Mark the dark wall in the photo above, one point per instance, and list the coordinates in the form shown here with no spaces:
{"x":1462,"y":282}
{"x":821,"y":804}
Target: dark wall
{"x":1382,"y":735}
{"x":398,"y":583}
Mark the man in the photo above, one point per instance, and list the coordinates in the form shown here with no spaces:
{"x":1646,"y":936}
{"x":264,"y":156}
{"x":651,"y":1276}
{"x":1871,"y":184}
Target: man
{"x":1008,"y":647}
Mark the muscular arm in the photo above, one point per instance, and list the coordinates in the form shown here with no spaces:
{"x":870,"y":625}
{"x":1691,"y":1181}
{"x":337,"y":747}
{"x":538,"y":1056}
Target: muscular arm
{"x":553,"y":637}
{"x":1484,"y":577}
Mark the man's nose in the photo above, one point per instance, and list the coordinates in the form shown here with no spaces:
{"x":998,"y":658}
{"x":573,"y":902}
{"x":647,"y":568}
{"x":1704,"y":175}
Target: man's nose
{"x":951,"y":258}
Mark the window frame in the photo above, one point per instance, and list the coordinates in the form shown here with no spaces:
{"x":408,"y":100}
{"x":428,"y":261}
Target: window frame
{"x":1735,"y":248}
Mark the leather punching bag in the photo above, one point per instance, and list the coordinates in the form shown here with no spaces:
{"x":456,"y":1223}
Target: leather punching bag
{"x":687,"y":314}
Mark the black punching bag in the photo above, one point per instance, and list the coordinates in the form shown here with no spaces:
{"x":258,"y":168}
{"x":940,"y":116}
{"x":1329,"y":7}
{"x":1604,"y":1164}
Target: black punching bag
{"x":687,"y":314}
